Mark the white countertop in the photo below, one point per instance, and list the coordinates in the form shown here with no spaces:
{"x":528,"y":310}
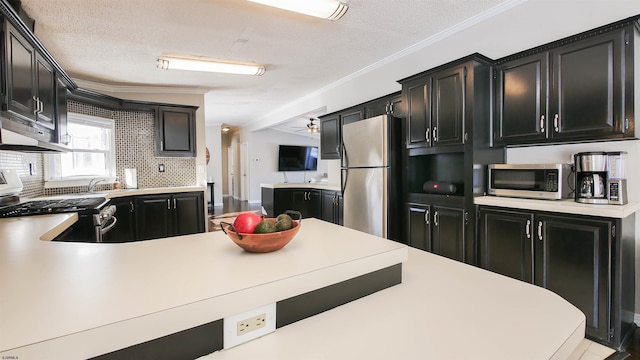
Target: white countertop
{"x":78,"y":300}
{"x":457,"y":312}
{"x":320,"y":185}
{"x":568,"y":206}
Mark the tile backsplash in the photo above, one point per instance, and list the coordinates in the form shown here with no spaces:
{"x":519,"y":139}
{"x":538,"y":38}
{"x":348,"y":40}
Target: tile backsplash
{"x":135,"y":143}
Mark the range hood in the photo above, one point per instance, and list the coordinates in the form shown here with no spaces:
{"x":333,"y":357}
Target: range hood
{"x":13,"y":141}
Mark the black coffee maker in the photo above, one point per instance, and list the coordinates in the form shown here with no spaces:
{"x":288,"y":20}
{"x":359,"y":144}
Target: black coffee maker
{"x":591,"y":177}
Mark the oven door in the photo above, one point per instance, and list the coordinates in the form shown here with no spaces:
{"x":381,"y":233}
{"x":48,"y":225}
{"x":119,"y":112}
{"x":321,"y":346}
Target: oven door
{"x":102,"y":230}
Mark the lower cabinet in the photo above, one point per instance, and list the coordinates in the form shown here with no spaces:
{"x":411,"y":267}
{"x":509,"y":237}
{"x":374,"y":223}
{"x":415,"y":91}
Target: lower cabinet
{"x":589,"y":261}
{"x":436,"y":229}
{"x":332,"y":207}
{"x":159,"y":216}
{"x":305,"y":200}
{"x":125,"y":229}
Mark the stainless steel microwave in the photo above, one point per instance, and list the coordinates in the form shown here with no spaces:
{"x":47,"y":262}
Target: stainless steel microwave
{"x":535,"y":181}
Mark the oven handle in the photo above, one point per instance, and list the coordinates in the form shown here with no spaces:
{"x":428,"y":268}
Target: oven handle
{"x":108,"y":228}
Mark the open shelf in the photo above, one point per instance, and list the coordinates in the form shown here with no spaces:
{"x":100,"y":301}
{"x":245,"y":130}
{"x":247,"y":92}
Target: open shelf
{"x":447,"y":167}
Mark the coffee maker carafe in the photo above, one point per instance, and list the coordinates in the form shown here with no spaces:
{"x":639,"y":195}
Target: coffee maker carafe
{"x":591,"y":177}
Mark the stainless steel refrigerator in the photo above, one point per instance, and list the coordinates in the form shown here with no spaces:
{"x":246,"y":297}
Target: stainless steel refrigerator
{"x":365,"y":174}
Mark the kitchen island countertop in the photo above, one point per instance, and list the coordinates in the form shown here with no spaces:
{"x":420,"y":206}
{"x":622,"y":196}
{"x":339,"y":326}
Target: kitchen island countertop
{"x":317,"y":185}
{"x":78,"y":300}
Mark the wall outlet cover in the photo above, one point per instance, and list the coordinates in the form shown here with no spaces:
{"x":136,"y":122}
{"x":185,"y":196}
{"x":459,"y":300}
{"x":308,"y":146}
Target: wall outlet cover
{"x":248,"y":321}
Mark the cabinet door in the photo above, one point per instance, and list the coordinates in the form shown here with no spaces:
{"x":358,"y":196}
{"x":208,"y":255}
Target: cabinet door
{"x":328,"y":206}
{"x":572,"y":260}
{"x":124,"y":231}
{"x":447,"y":125}
{"x":314,"y":204}
{"x":330,"y":138}
{"x":175,"y":131}
{"x":299,"y":201}
{"x":188,"y":211}
{"x":351,"y":116}
{"x":283,"y":201}
{"x":588,"y":88}
{"x":448,"y":232}
{"x":339,"y":209}
{"x":418,"y":93}
{"x":20,"y":73}
{"x":521,"y":100}
{"x":419,"y":226}
{"x":506,"y":245}
{"x":153,"y":217}
{"x":46,"y":88}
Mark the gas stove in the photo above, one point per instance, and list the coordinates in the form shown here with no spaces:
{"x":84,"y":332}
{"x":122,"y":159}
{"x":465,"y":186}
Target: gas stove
{"x":91,"y":205}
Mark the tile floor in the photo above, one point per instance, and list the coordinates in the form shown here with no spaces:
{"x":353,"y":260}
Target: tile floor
{"x":589,"y":350}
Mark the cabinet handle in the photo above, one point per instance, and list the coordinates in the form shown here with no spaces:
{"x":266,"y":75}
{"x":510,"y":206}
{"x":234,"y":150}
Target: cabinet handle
{"x":386,"y":108}
{"x":556,"y":123}
{"x":175,"y":204}
{"x":435,"y":133}
{"x":435,"y":218}
{"x":466,"y":218}
{"x":540,"y":230}
{"x":37,"y":105}
{"x":527,"y":229}
{"x":130,"y":206}
{"x":391,"y":109}
{"x":168,"y":204}
{"x":542,"y":123}
{"x":337,"y":148}
{"x":426,"y":217}
{"x":41,"y":106}
{"x":161,"y":145}
{"x":427,"y":134}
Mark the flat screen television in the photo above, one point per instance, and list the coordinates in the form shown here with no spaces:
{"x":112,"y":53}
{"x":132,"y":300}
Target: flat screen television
{"x":297,"y":158}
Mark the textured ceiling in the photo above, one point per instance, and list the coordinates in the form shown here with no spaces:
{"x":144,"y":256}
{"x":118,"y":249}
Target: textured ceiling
{"x":117,"y":43}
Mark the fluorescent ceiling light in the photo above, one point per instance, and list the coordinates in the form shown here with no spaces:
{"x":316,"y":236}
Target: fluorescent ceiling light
{"x":325,"y":9}
{"x":205,"y":64}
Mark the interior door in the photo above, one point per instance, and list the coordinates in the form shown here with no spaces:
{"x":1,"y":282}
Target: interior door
{"x":244,"y":165}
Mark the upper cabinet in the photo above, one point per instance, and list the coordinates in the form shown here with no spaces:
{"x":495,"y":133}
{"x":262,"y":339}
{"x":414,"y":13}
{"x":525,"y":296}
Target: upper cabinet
{"x":330,"y":137}
{"x":176,"y":132}
{"x":577,"y":90}
{"x":435,"y":105}
{"x":33,"y":86}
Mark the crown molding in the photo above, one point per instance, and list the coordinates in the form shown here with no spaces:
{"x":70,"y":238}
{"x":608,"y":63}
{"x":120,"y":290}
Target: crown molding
{"x":139,"y":89}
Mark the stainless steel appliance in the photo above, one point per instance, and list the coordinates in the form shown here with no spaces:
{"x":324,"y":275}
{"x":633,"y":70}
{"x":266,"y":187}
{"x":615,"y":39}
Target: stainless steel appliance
{"x":95,"y":216}
{"x":617,"y":177}
{"x":591,"y":177}
{"x":370,"y":166}
{"x":536,"y":181}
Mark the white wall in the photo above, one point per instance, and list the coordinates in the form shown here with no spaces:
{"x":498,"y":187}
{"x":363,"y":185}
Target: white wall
{"x":214,"y":168}
{"x":263,"y":157}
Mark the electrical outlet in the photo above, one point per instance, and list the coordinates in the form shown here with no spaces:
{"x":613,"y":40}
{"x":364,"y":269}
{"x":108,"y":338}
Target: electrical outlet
{"x":160,"y":167}
{"x":253,"y":323}
{"x":249,"y":325}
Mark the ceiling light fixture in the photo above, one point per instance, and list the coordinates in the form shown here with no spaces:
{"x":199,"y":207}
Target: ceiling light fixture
{"x":225,"y":129}
{"x":325,"y":9}
{"x":312,"y":128}
{"x":206,"y":64}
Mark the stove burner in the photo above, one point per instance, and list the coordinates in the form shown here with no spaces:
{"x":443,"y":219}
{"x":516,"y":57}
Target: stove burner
{"x":39,"y":207}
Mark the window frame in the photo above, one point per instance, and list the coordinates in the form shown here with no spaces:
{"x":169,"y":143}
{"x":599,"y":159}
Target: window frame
{"x":51,"y":160}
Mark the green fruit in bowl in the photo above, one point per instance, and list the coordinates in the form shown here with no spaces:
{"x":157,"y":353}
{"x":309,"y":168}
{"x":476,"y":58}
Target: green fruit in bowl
{"x":285,"y":223}
{"x":265,"y":227}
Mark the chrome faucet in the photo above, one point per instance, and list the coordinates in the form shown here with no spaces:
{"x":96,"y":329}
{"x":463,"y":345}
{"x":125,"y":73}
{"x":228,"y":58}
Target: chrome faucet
{"x":92,"y":183}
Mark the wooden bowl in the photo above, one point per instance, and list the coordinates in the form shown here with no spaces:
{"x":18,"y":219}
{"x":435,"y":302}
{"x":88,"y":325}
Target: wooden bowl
{"x":261,"y":243}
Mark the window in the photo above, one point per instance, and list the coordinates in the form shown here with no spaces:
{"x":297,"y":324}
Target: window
{"x":93,"y":142}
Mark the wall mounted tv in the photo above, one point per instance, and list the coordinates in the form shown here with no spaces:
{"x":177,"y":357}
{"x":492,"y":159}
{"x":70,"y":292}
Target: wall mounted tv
{"x":297,"y":158}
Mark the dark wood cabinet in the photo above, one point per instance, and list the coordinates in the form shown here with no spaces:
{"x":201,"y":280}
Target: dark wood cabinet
{"x":584,"y":259}
{"x":31,"y":81}
{"x":435,"y":108}
{"x":506,"y":244}
{"x":332,"y":206}
{"x":331,"y":131}
{"x":437,"y":229}
{"x":330,"y":137}
{"x":125,"y":229}
{"x":164,"y":215}
{"x":575,"y":91}
{"x":62,"y":134}
{"x":308,"y":202}
{"x":419,"y":226}
{"x":448,"y":232}
{"x":176,"y":132}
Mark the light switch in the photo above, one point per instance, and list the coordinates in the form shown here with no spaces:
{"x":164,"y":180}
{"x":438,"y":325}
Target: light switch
{"x":161,"y":167}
